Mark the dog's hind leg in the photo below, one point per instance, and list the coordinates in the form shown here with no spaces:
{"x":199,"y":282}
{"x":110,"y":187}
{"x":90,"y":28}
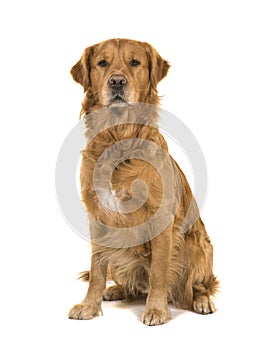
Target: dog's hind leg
{"x":195,"y":282}
{"x":202,"y":280}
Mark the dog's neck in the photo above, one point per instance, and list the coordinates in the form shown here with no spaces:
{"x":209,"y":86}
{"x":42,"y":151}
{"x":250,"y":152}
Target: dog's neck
{"x":124,"y":121}
{"x":108,"y":126}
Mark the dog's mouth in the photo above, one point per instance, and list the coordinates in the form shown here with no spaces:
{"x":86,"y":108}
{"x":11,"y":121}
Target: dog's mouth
{"x":117,"y":97}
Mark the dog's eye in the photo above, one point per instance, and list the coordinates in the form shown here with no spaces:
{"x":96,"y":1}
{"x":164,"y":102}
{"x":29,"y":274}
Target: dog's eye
{"x":134,"y":63}
{"x":102,"y":63}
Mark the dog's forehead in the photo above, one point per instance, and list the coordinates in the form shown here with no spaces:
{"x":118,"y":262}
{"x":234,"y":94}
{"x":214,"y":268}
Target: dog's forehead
{"x":120,"y":46}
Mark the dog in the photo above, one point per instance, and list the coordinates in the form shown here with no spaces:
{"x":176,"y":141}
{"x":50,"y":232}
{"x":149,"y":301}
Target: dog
{"x":170,"y":258}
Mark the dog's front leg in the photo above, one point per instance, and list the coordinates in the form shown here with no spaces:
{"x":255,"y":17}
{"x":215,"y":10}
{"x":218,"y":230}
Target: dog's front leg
{"x":157,"y":311}
{"x":91,"y":305}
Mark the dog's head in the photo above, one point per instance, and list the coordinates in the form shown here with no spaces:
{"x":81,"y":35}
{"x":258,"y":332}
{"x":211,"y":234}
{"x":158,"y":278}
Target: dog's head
{"x":119,"y":71}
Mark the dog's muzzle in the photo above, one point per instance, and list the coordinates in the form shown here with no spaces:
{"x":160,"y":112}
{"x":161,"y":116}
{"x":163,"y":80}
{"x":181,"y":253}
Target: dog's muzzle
{"x":117,"y":84}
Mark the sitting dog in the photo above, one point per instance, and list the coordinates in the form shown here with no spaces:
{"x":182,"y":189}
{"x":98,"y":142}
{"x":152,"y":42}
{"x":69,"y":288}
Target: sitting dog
{"x":146,"y":232}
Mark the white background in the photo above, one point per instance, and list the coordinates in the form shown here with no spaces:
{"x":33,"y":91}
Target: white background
{"x":215,"y":86}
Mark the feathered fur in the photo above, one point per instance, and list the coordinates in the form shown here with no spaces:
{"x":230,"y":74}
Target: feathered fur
{"x":174,"y":266}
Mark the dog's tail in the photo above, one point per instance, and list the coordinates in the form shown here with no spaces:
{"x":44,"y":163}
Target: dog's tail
{"x":84,"y":276}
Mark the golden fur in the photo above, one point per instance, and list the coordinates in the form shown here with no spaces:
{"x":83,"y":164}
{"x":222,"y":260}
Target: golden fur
{"x":174,"y":266}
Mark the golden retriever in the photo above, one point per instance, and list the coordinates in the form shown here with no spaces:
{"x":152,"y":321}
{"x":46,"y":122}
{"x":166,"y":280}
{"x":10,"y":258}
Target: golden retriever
{"x":169,"y":259}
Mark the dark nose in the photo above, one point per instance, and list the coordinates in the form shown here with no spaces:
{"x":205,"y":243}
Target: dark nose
{"x":118,"y":80}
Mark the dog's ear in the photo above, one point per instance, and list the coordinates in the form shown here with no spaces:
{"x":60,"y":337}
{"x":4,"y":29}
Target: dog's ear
{"x":158,"y":67}
{"x":81,"y":70}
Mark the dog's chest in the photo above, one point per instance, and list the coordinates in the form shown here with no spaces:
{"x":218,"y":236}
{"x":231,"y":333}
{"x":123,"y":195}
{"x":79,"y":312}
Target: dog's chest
{"x":121,"y":190}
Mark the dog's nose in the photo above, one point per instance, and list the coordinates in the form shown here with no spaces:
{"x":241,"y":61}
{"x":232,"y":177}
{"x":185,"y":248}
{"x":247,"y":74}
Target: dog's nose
{"x":118,"y":80}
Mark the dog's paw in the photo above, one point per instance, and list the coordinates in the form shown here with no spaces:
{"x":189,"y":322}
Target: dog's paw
{"x":85,"y":311}
{"x":203,"y":305}
{"x":113,"y":293}
{"x":154,"y":317}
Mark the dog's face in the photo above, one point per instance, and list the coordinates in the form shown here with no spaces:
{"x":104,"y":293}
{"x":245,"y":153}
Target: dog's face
{"x":119,"y":71}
